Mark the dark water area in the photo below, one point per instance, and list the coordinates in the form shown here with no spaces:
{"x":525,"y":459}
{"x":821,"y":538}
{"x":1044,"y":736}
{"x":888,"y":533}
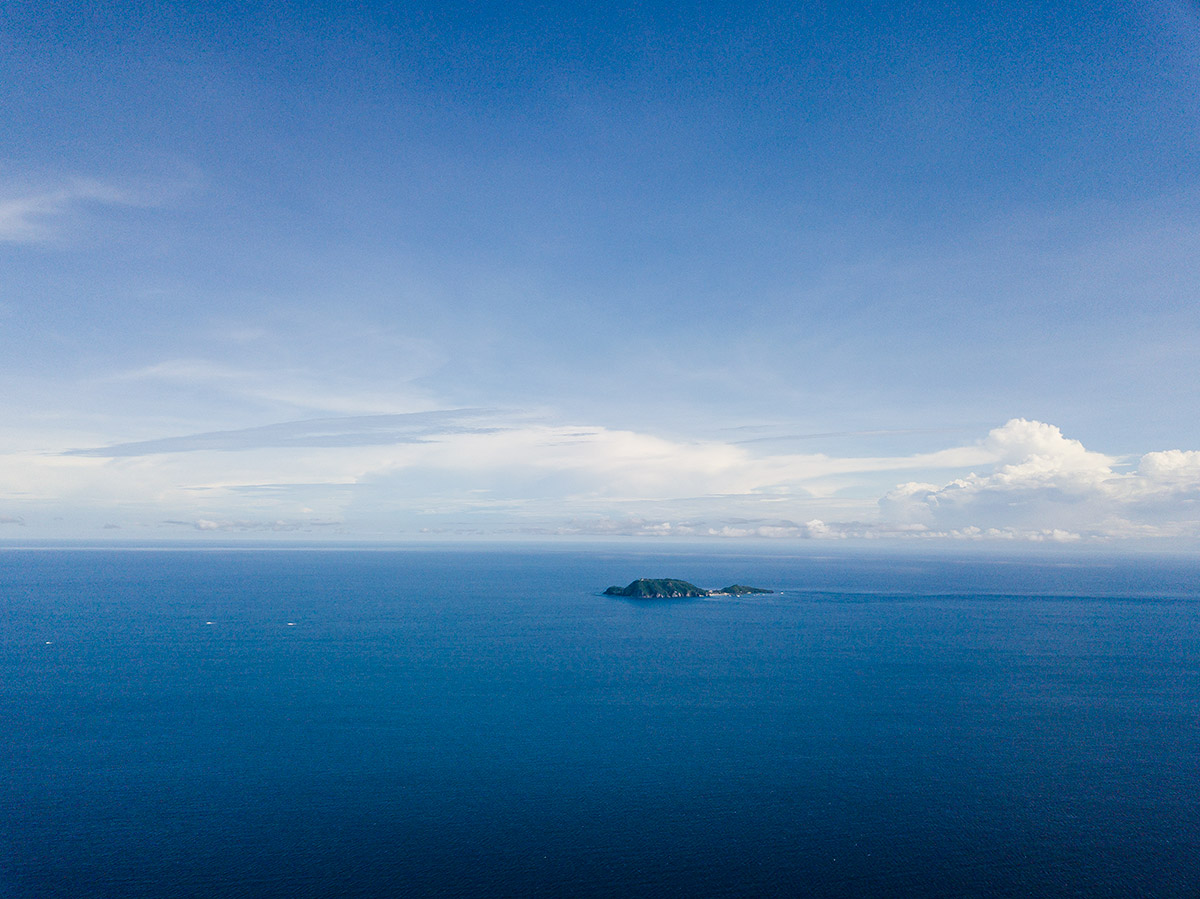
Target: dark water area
{"x":467,"y":723}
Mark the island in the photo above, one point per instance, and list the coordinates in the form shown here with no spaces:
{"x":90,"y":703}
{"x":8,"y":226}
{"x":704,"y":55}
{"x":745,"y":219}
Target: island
{"x":740,"y":590}
{"x":670,"y":588}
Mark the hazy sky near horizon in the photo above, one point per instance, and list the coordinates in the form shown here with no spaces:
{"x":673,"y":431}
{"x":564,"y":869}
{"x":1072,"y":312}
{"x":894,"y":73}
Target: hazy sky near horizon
{"x":797,"y":270}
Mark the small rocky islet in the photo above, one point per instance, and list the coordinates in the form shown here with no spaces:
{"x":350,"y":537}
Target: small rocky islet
{"x":671,"y":588}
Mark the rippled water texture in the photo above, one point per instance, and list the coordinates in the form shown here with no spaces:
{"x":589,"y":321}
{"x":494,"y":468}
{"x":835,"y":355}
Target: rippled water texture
{"x":376,"y":723}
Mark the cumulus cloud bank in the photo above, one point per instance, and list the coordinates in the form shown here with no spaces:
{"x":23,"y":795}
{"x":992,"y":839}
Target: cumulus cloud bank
{"x":1045,"y":484}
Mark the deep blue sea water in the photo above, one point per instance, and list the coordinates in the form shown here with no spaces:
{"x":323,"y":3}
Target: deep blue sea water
{"x":468,"y":723}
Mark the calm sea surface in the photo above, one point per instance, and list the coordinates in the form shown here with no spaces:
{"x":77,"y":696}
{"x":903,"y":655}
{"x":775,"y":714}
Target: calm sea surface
{"x":435,"y":722}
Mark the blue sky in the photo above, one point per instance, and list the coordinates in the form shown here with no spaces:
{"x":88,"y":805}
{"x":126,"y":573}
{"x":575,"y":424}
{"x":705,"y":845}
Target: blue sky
{"x":380,"y":271}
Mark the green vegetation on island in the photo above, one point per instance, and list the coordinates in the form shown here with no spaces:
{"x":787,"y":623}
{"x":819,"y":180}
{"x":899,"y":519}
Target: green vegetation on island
{"x":670,"y":588}
{"x":657,"y":588}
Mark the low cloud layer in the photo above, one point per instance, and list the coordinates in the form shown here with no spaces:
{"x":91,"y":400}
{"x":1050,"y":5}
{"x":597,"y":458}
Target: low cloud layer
{"x":479,"y":472}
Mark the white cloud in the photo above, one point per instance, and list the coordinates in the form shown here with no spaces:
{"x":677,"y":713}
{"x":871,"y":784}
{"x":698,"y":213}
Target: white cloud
{"x":1171,"y":467}
{"x":278,"y":525}
{"x":478,"y":471}
{"x":1048,"y":485}
{"x":30,"y":216}
{"x":342,"y":431}
{"x":1034,"y":446}
{"x":408,"y":471}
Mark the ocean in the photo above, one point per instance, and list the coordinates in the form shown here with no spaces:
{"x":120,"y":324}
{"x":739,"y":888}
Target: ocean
{"x":482,"y":722}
